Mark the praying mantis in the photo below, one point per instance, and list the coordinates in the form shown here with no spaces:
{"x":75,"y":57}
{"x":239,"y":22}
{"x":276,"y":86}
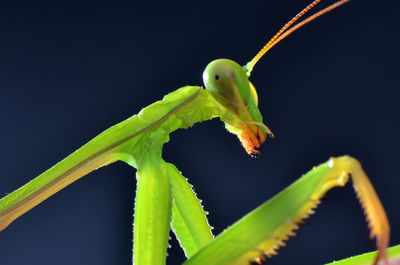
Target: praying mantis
{"x":252,"y":139}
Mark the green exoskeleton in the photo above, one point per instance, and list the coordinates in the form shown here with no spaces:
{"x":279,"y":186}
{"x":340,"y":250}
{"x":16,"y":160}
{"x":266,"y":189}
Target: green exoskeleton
{"x":228,"y":83}
{"x":165,"y":200}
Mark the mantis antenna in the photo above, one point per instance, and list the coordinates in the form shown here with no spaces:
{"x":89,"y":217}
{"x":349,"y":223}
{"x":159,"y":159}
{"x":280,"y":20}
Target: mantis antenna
{"x":286,"y":30}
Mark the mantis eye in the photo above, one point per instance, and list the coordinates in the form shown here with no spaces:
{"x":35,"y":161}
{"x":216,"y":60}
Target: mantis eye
{"x":228,"y":83}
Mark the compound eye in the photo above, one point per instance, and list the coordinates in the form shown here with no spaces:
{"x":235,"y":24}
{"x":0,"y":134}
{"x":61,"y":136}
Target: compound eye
{"x":228,"y":84}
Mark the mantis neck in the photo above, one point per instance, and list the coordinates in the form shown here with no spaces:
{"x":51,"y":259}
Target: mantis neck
{"x":180,"y":109}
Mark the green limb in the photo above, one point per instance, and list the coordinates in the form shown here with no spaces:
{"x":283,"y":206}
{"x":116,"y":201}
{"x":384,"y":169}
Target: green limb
{"x":51,"y":181}
{"x":368,"y":258}
{"x":152,"y":211}
{"x":189,"y":221}
{"x":124,"y":141}
{"x":260,"y":233}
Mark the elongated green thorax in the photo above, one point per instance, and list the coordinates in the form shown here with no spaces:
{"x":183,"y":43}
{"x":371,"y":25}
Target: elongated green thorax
{"x":228,"y":83}
{"x":126,"y":141}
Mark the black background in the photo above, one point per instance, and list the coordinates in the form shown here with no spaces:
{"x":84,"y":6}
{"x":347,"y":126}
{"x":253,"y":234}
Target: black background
{"x":70,"y":70}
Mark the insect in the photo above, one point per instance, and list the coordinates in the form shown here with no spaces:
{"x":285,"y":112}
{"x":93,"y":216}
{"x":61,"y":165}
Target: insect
{"x":138,"y":141}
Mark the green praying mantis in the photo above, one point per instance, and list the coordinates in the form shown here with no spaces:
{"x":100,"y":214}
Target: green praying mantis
{"x":163,"y":196}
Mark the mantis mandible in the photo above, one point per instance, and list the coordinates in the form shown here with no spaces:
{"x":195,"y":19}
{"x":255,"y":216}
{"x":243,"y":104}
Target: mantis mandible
{"x":163,"y":195}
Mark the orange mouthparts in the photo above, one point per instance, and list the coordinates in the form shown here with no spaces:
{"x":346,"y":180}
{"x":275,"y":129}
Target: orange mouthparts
{"x":251,"y":134}
{"x":251,"y":137}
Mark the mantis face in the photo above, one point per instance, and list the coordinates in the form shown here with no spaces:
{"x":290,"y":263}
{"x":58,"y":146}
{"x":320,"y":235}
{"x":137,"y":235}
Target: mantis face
{"x":228,"y":83}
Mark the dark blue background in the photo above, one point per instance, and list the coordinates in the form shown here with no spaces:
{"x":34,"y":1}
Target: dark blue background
{"x":70,"y":70}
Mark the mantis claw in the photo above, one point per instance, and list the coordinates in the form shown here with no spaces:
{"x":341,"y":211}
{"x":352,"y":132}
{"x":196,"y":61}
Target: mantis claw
{"x":370,"y":203}
{"x":300,"y":199}
{"x":254,"y":153}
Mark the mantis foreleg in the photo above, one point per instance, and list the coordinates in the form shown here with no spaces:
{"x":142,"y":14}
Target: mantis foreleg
{"x":259,"y":234}
{"x":160,"y":187}
{"x":189,"y":220}
{"x":152,"y":210}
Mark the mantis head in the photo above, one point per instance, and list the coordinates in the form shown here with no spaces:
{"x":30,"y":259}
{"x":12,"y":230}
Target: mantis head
{"x":229,"y":84}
